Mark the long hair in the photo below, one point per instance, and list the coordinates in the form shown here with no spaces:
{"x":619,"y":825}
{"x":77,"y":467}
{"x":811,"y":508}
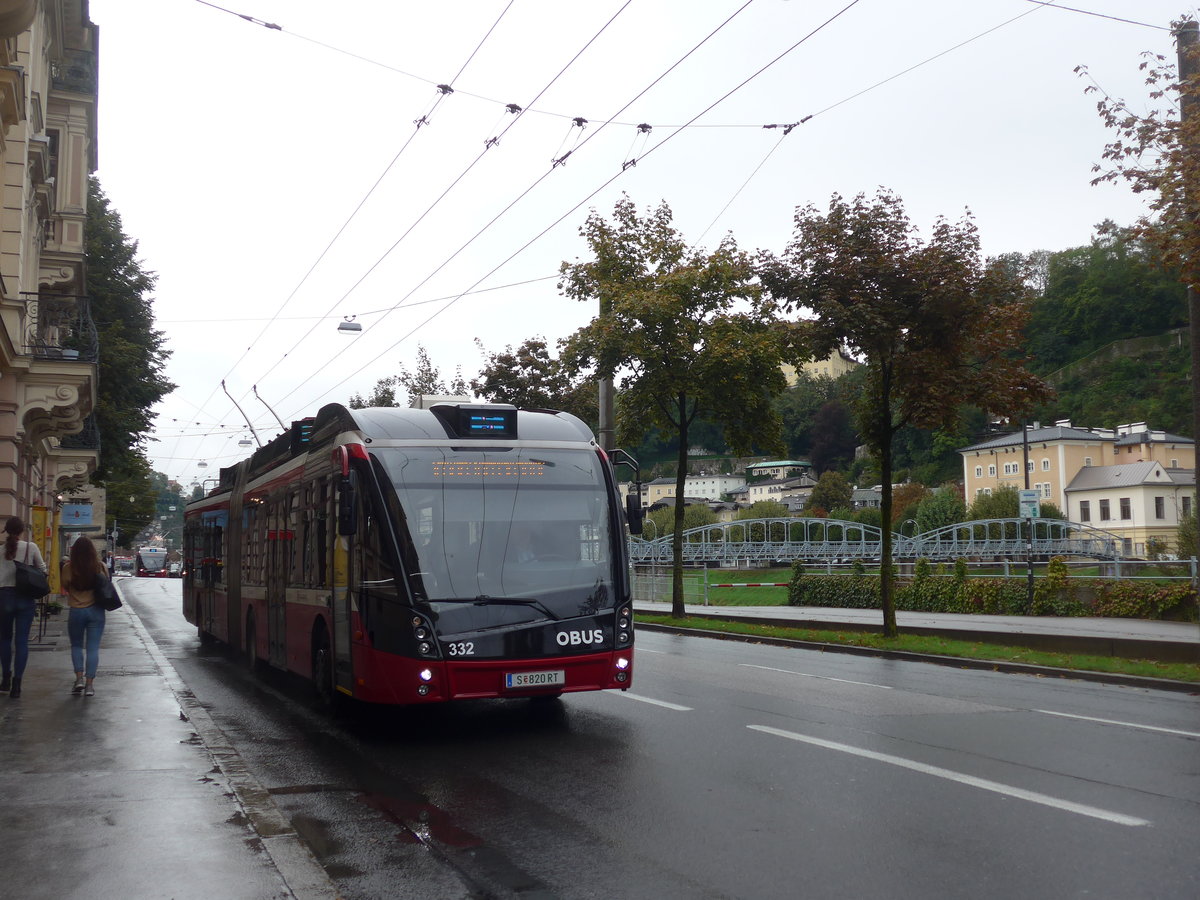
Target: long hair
{"x":85,"y":564}
{"x":13,"y":529}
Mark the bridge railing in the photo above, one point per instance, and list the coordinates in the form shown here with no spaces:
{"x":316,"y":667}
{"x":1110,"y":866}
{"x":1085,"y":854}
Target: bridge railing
{"x":819,"y":540}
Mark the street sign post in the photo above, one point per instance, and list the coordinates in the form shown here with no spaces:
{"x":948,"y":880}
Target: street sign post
{"x":1030,"y":503}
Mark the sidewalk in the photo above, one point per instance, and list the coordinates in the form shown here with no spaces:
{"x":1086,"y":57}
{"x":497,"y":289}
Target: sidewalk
{"x":134,"y":792}
{"x":1132,"y":638}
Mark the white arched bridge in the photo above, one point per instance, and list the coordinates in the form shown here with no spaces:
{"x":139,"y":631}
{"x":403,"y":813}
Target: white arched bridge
{"x":838,"y":541}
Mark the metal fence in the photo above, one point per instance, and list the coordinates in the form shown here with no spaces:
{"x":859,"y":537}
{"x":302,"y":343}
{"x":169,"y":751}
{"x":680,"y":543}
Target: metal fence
{"x":652,"y":583}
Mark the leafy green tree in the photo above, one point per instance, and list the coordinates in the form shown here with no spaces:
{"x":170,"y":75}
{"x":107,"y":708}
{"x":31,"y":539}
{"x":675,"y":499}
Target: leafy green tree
{"x":1002,"y":503}
{"x":1049,"y":510}
{"x":798,"y":407}
{"x":834,"y":437}
{"x":426,"y":379}
{"x":529,"y":377}
{"x":690,"y":334}
{"x":1113,"y":289}
{"x":831,"y":491}
{"x":941,"y":507}
{"x":1188,"y":535}
{"x":132,"y":359}
{"x":695,"y":515}
{"x":764,"y":509}
{"x":934,"y":324}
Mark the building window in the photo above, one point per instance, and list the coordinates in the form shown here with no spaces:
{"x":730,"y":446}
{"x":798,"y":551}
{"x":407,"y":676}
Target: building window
{"x":1174,"y":464}
{"x":979,"y":471}
{"x":992,"y":470}
{"x":1160,"y":507}
{"x":1087,"y":460}
{"x":1126,"y":509}
{"x":1045,"y":465}
{"x":1085,"y":510}
{"x":1029,"y":466}
{"x":1046,"y":490}
{"x":1186,"y":505}
{"x":1105,"y":515}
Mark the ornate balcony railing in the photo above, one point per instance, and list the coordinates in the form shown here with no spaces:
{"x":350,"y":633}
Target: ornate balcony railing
{"x":60,"y":326}
{"x":88,"y":439}
{"x":75,"y":72}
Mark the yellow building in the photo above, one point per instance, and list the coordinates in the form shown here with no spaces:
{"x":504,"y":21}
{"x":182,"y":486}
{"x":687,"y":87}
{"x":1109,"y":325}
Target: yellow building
{"x":1058,"y":452}
{"x":48,"y":344}
{"x":835,"y":366}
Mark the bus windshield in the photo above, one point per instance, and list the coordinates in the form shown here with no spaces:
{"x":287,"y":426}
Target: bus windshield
{"x":524,"y":532}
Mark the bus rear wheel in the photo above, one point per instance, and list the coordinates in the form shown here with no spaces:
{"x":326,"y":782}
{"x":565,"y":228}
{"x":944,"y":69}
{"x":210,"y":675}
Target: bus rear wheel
{"x":251,"y":644}
{"x":322,"y":671}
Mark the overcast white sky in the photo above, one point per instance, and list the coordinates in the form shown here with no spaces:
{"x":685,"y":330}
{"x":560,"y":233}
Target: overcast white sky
{"x":235,"y":153}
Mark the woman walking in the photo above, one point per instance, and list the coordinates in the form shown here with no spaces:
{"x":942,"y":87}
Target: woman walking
{"x":16,"y":612}
{"x":85,"y":621}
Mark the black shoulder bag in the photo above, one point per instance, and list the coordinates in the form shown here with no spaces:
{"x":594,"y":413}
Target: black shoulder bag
{"x":31,"y":581}
{"x":106,"y":593}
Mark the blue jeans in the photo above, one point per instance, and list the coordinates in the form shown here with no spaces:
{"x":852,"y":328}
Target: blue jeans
{"x":16,"y":618}
{"x":85,"y":626}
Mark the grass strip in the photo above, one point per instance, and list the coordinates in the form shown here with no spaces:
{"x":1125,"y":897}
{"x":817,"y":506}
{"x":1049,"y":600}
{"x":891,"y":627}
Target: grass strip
{"x":940,"y":646}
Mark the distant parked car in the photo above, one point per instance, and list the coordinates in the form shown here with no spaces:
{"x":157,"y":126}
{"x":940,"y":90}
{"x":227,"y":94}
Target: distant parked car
{"x":174,"y":569}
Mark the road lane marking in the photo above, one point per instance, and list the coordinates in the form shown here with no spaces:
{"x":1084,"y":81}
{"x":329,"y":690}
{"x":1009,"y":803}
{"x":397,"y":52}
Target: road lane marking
{"x":663,"y":703}
{"x":882,"y":687}
{"x":969,"y":780}
{"x":1050,"y":712}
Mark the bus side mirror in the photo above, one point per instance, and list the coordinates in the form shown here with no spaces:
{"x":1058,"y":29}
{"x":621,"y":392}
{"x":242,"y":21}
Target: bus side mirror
{"x":633,"y":513}
{"x":347,"y":513}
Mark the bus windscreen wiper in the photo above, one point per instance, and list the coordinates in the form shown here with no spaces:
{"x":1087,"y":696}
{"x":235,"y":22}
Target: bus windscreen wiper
{"x":485,"y":600}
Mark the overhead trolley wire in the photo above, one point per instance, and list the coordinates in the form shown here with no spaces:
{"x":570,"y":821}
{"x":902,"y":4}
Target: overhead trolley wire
{"x":604,"y":185}
{"x":519,"y":197}
{"x":488,"y":145}
{"x":443,"y":92}
{"x":1088,"y":12}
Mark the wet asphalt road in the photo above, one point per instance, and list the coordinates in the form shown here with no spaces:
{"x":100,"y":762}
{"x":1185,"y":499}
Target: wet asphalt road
{"x":730,"y":770}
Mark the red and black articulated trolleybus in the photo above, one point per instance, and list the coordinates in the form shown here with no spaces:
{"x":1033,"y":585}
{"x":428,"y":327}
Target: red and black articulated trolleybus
{"x":407,"y":556}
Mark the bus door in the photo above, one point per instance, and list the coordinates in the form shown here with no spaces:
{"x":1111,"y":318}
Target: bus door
{"x":344,"y":583}
{"x":202,"y":575}
{"x":280,"y":545}
{"x":204,"y":572}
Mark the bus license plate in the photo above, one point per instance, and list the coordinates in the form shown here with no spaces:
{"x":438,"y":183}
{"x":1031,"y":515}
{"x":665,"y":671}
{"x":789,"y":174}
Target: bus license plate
{"x":535,"y":679}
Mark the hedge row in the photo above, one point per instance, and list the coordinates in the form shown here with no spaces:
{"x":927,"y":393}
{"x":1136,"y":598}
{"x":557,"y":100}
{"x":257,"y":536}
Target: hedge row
{"x":1053,"y":595}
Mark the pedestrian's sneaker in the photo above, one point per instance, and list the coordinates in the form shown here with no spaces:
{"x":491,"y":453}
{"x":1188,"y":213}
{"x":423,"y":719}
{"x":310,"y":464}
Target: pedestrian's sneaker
{"x":89,"y":692}
{"x":78,"y":688}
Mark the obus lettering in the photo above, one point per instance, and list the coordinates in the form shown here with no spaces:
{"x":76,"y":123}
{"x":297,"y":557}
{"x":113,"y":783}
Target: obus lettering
{"x":575,"y":638}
